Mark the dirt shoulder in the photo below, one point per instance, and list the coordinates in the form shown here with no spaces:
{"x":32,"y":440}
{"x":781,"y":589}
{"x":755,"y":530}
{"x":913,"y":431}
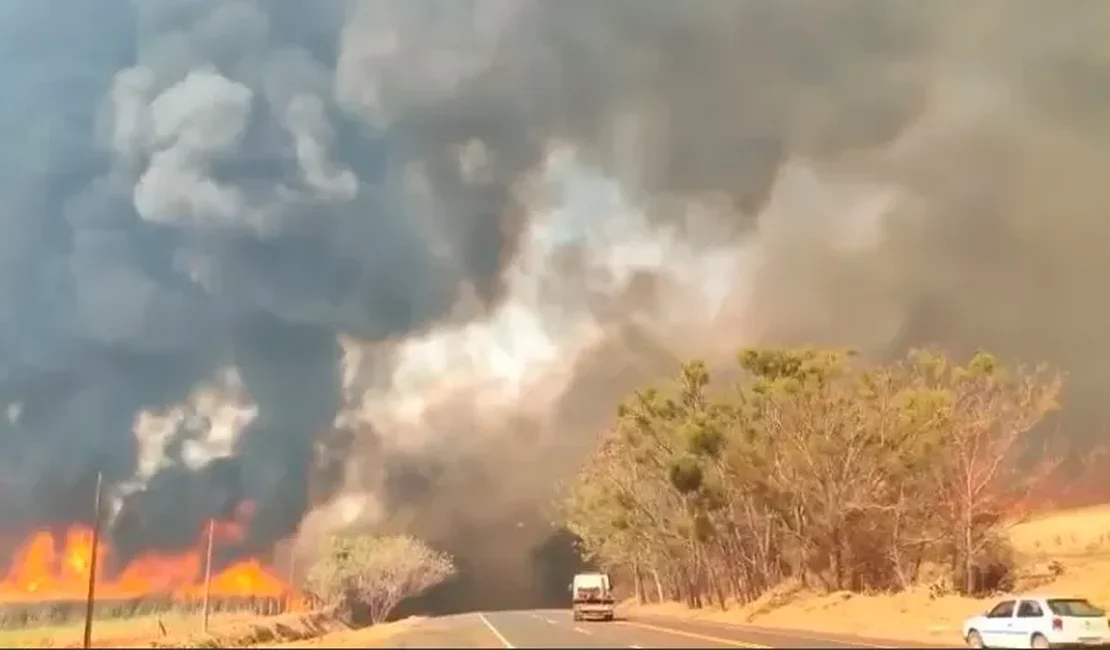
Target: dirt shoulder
{"x":375,"y":636}
{"x":1065,"y":552}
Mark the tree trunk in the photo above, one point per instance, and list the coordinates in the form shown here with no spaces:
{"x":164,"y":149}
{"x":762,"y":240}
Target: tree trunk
{"x":719,"y":591}
{"x":969,"y":559}
{"x":638,"y":583}
{"x":660,"y":595}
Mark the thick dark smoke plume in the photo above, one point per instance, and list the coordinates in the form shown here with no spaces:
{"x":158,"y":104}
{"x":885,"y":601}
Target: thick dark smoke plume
{"x":232,"y":230}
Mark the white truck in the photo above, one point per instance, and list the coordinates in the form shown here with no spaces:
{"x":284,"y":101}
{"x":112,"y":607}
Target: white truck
{"x":592,"y":597}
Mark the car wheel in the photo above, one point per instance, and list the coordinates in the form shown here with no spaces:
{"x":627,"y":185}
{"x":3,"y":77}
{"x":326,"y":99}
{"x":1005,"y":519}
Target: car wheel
{"x":975,"y":640}
{"x":1039,"y":641}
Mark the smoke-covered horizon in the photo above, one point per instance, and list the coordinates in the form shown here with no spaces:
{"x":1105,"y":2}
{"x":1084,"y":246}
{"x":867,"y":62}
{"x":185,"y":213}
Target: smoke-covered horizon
{"x":392,"y":262}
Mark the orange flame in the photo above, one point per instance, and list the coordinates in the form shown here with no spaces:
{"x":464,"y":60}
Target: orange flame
{"x":44,"y":571}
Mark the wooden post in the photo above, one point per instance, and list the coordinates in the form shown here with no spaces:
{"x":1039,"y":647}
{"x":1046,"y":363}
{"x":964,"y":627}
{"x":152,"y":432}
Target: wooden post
{"x":90,"y":597}
{"x":208,"y":574}
{"x":288,"y":600}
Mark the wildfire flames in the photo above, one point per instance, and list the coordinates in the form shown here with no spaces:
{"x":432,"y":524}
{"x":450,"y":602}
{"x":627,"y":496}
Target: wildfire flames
{"x":54,"y":567}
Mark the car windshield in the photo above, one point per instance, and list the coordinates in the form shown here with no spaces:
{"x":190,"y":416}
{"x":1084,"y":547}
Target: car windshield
{"x":1079,"y":607}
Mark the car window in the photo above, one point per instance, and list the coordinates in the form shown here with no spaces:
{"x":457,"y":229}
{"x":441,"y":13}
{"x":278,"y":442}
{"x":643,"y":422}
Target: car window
{"x":1030,"y":609}
{"x":1079,"y":607}
{"x":1004,"y":609}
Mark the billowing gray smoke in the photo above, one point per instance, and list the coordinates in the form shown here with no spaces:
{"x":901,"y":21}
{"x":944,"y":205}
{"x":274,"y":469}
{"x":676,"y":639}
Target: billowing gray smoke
{"x":232,"y":231}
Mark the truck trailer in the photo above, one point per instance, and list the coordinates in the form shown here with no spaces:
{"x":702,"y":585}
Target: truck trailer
{"x":592,"y":597}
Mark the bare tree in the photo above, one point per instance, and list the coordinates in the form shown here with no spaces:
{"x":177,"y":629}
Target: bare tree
{"x":987,"y":413}
{"x":373,"y":574}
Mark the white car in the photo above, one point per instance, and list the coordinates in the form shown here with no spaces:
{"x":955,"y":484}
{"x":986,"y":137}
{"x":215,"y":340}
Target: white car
{"x":1038,"y":622}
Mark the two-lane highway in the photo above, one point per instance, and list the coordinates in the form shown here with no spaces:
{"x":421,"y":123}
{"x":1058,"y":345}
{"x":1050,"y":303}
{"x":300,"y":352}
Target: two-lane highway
{"x":556,"y":628}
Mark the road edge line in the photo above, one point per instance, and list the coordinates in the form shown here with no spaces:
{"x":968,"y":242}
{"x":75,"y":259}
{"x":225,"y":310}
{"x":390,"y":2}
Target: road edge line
{"x":496,"y":632}
{"x":694,"y":635}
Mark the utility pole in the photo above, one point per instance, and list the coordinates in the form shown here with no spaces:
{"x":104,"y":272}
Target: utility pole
{"x":90,"y":598}
{"x":289,"y":582}
{"x":208,"y":574}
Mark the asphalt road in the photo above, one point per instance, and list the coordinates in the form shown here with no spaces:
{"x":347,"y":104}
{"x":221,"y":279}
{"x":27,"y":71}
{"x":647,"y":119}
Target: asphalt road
{"x":556,"y":629}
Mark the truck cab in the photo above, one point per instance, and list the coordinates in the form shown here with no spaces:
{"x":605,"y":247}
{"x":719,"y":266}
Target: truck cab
{"x":592,"y":597}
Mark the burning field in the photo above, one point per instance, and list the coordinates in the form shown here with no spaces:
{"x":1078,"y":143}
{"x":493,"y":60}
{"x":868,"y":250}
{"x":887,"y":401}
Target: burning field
{"x":47,"y":577}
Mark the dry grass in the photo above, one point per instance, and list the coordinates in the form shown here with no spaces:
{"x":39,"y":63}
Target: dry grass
{"x":1072,"y":533}
{"x":1066,"y":552}
{"x":376,"y":636}
{"x":106,"y":632}
{"x":175,"y":630}
{"x":265,"y":632}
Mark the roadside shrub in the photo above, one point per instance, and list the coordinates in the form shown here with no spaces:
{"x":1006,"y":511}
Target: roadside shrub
{"x":364,"y":577}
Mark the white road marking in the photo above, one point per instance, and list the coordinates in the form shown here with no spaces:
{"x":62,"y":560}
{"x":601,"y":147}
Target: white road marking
{"x":636,"y":646}
{"x":586,"y":632}
{"x":550,"y":620}
{"x":496,"y":632}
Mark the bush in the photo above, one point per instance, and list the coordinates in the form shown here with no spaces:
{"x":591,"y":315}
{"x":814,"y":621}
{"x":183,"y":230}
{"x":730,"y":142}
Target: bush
{"x":994,"y":567}
{"x":367,"y":576}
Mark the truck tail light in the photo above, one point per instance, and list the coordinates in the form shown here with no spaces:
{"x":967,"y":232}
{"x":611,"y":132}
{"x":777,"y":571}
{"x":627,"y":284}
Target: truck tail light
{"x":1057,"y":624}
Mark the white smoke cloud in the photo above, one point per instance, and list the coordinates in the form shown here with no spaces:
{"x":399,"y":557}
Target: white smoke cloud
{"x":196,"y":120}
{"x":520,"y":360}
{"x":586,"y":244}
{"x":203,"y":427}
